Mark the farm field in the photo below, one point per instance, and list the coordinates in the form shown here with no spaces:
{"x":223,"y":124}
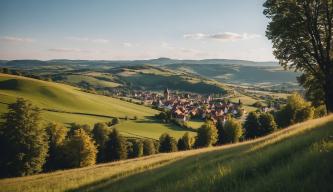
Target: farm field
{"x":296,"y":156}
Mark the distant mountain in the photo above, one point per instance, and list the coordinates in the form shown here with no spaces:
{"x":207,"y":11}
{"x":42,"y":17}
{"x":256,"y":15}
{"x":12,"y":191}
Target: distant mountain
{"x":118,"y":63}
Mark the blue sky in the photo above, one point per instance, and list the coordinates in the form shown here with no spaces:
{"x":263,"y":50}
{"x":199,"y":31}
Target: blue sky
{"x":133,"y":29}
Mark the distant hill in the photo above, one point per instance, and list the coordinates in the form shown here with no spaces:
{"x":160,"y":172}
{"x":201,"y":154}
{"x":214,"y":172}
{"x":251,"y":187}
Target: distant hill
{"x":222,"y":70}
{"x":239,"y":73}
{"x":298,"y":158}
{"x":117,"y":63}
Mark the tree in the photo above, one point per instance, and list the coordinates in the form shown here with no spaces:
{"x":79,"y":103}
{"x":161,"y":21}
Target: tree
{"x":148,"y":147}
{"x":115,"y":121}
{"x":207,"y":135}
{"x":251,"y":126}
{"x":167,"y":143}
{"x":301,"y":32}
{"x":220,"y":131}
{"x":185,"y":142}
{"x":79,"y":150}
{"x":296,"y":110}
{"x":313,"y":89}
{"x":85,"y":127}
{"x":56,"y":134}
{"x":267,"y":123}
{"x":233,"y":131}
{"x":116,"y":148}
{"x":137,"y":149}
{"x":23,"y":140}
{"x":320,"y":111}
{"x":100,"y":134}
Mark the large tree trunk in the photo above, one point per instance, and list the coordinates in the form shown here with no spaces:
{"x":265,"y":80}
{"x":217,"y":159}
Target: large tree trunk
{"x":329,"y":94}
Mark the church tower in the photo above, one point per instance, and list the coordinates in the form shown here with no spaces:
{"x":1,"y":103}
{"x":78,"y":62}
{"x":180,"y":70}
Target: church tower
{"x":167,"y":94}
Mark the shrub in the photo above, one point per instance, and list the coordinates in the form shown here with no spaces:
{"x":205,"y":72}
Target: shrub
{"x":207,"y":135}
{"x":167,"y":143}
{"x":115,"y":121}
{"x":23,"y":140}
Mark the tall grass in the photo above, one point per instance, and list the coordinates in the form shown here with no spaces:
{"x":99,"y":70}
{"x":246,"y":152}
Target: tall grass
{"x":298,"y":158}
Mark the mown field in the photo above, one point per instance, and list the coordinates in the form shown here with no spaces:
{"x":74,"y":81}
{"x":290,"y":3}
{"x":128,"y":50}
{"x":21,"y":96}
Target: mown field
{"x":67,"y":104}
{"x":298,"y":158}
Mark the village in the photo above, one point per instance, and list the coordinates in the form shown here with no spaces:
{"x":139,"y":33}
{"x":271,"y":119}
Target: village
{"x":186,"y":106}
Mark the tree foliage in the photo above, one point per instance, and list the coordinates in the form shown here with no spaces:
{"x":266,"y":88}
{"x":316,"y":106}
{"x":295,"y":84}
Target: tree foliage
{"x":233,"y":131}
{"x":185,"y":142}
{"x":167,"y":143}
{"x":207,"y":135}
{"x":296,"y":110}
{"x":24,"y":144}
{"x":137,"y":149}
{"x":148,"y":147}
{"x":56,"y":134}
{"x":116,"y":148}
{"x":301,"y":32}
{"x":251,"y":125}
{"x":100,"y":134}
{"x":79,"y":150}
{"x":267,"y":123}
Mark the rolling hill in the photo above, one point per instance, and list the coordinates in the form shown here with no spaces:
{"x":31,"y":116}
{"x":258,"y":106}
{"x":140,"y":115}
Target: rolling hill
{"x":271,"y":75}
{"x":266,"y":74}
{"x":292,"y":159}
{"x":67,"y":104}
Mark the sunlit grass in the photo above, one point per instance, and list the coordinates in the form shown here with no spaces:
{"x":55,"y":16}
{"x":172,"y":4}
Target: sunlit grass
{"x":298,"y":158}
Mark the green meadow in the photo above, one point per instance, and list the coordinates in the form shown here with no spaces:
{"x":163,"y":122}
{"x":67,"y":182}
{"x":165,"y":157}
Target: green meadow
{"x":292,"y":159}
{"x":67,"y":104}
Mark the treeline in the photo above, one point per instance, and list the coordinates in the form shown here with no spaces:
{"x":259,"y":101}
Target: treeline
{"x":28,"y":147}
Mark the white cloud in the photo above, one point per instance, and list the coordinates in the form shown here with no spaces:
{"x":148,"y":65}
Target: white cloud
{"x":127,"y":44}
{"x":226,"y":36}
{"x":17,"y":39}
{"x":69,"y":50}
{"x":89,"y":40}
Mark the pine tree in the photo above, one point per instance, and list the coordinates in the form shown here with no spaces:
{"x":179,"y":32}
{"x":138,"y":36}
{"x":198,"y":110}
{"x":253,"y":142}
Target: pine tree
{"x":116,"y":146}
{"x":24,"y":143}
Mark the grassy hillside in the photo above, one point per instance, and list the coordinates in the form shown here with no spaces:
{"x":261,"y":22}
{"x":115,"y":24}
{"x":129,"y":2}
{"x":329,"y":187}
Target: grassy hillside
{"x":154,"y":78}
{"x":74,"y":106}
{"x":298,"y":158}
{"x":268,"y":76}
